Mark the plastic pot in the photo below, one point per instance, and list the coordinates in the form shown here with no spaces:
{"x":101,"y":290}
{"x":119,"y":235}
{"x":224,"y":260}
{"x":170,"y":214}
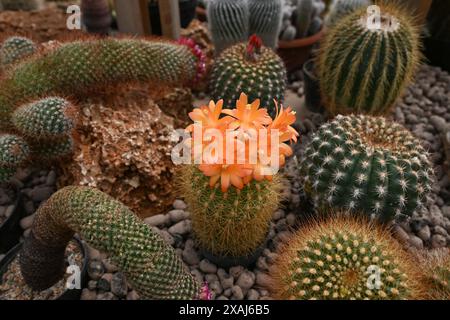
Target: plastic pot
{"x":295,"y":53}
{"x":10,"y":230}
{"x":230,"y":261}
{"x":313,"y":100}
{"x":187,"y":14}
{"x":73,"y":294}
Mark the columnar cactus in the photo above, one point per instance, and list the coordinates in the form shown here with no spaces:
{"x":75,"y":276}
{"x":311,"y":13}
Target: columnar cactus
{"x":304,"y":10}
{"x":366,"y":164}
{"x":364,"y":67}
{"x":250,"y":68}
{"x":49,"y":119}
{"x":340,"y":8}
{"x":151,"y":266}
{"x":265,"y":20}
{"x":229,"y":22}
{"x":81,"y":66}
{"x":232,"y":223}
{"x":14,"y":151}
{"x":344,"y":259}
{"x":14,"y":49}
{"x":23,"y":5}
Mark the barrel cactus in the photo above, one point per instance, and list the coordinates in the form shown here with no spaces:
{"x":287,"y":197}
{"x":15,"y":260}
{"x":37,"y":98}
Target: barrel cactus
{"x":14,"y":49}
{"x":229,"y":22}
{"x":435,"y":266}
{"x":81,"y":66}
{"x":49,"y":119}
{"x":366,"y":164}
{"x":265,"y":20}
{"x":340,"y":8}
{"x":344,"y":259}
{"x":364,"y":67}
{"x":14,"y":151}
{"x":52,"y":150}
{"x":151,"y":266}
{"x":250,"y":68}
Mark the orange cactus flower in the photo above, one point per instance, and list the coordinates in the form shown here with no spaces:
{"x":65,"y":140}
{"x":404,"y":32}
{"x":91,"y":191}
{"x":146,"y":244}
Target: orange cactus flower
{"x":282,"y":122}
{"x":209,"y":116}
{"x":248,"y":116}
{"x":227,"y":174}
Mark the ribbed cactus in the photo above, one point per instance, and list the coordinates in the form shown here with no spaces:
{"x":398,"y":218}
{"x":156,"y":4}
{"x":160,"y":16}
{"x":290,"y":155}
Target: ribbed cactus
{"x":365,"y":70}
{"x":265,"y":20}
{"x":23,"y":5}
{"x":234,"y":223}
{"x":229,"y":22}
{"x":250,"y":68}
{"x":52,"y":150}
{"x":151,"y":266}
{"x":305,"y":10}
{"x":340,"y":8}
{"x":81,"y":66}
{"x":49,"y":119}
{"x":344,"y":259}
{"x":14,"y":151}
{"x":435,"y":266}
{"x":14,"y":49}
{"x":366,"y":164}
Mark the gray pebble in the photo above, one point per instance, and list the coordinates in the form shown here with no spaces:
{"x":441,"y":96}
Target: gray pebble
{"x":237,"y":293}
{"x":178,"y":215}
{"x":262,"y":279}
{"x":9,"y":211}
{"x":416,"y":242}
{"x":87,"y":294}
{"x":168,"y":238}
{"x":227,"y":292}
{"x":157,"y":220}
{"x":252,"y":294}
{"x":440,"y":230}
{"x":210,"y":277}
{"x":198,"y":275}
{"x":92,"y":285}
{"x":439,"y":123}
{"x":222,"y":298}
{"x":207,"y":267}
{"x":182,"y":227}
{"x":401,"y":234}
{"x":291,"y":219}
{"x":41,"y":193}
{"x":438,"y":241}
{"x":261,"y":263}
{"x":425,"y":233}
{"x":190,"y":256}
{"x":236,"y":271}
{"x":216,"y":287}
{"x":106,"y":296}
{"x":132,"y":295}
{"x":179,"y":204}
{"x":119,"y":285}
{"x":277,"y":215}
{"x":246,"y":280}
{"x":95,"y":269}
{"x":51,"y":178}
{"x":27,"y":222}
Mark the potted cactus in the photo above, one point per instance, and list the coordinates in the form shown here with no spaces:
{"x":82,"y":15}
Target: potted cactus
{"x":301,"y":29}
{"x":187,"y":14}
{"x":232,"y":198}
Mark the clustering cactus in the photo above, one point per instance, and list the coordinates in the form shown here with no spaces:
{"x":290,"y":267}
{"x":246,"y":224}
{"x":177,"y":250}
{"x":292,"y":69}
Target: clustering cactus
{"x":435,"y":266}
{"x":250,"y":68}
{"x":14,"y":151}
{"x":364,"y":67}
{"x":51,"y":150}
{"x":233,"y":223}
{"x":340,"y":8}
{"x":23,"y":5}
{"x":229,"y":22}
{"x":80,"y":66}
{"x":366,"y":164}
{"x":50,"y":118}
{"x":14,"y":49}
{"x":151,"y":266}
{"x":265,"y":20}
{"x":344,"y":259}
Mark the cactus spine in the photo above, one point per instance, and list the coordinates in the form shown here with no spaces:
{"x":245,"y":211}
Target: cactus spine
{"x":229,"y":22}
{"x":336,"y":259}
{"x":151,"y":266}
{"x":218,"y":219}
{"x":366,"y":164}
{"x":340,"y":8}
{"x":363,"y":68}
{"x":265,"y":20}
{"x":14,"y":49}
{"x":81,"y":66}
{"x":435,"y":266}
{"x":250,"y":68}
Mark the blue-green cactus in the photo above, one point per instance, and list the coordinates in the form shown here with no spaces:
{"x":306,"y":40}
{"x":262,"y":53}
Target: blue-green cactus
{"x":265,"y":20}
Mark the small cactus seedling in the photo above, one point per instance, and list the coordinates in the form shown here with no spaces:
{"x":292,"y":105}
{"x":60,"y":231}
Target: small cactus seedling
{"x":363,"y":66}
{"x":14,"y":49}
{"x":251,"y":68}
{"x":366,"y":164}
{"x":151,"y":266}
{"x":344,"y":259}
{"x":227,"y":195}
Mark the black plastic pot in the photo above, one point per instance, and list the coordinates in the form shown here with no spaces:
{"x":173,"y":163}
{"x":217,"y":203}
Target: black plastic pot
{"x":187,"y":14}
{"x":229,"y":261}
{"x":73,"y":294}
{"x":438,"y":52}
{"x":10,"y":230}
{"x":313,"y":99}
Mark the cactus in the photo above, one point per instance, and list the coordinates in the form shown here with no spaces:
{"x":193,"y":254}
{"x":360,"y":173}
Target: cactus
{"x":96,"y":15}
{"x":340,"y":8}
{"x":265,"y":20}
{"x":83,"y":66}
{"x":250,"y":68}
{"x":14,"y":151}
{"x":339,"y":259}
{"x":218,"y":219}
{"x":435,"y":266}
{"x":23,"y":5}
{"x":229,"y":22}
{"x":366,"y":164}
{"x":14,"y":49}
{"x":52,"y":150}
{"x":6,"y":173}
{"x":47,"y":119}
{"x":305,"y":9}
{"x":151,"y":266}
{"x":365,"y":70}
